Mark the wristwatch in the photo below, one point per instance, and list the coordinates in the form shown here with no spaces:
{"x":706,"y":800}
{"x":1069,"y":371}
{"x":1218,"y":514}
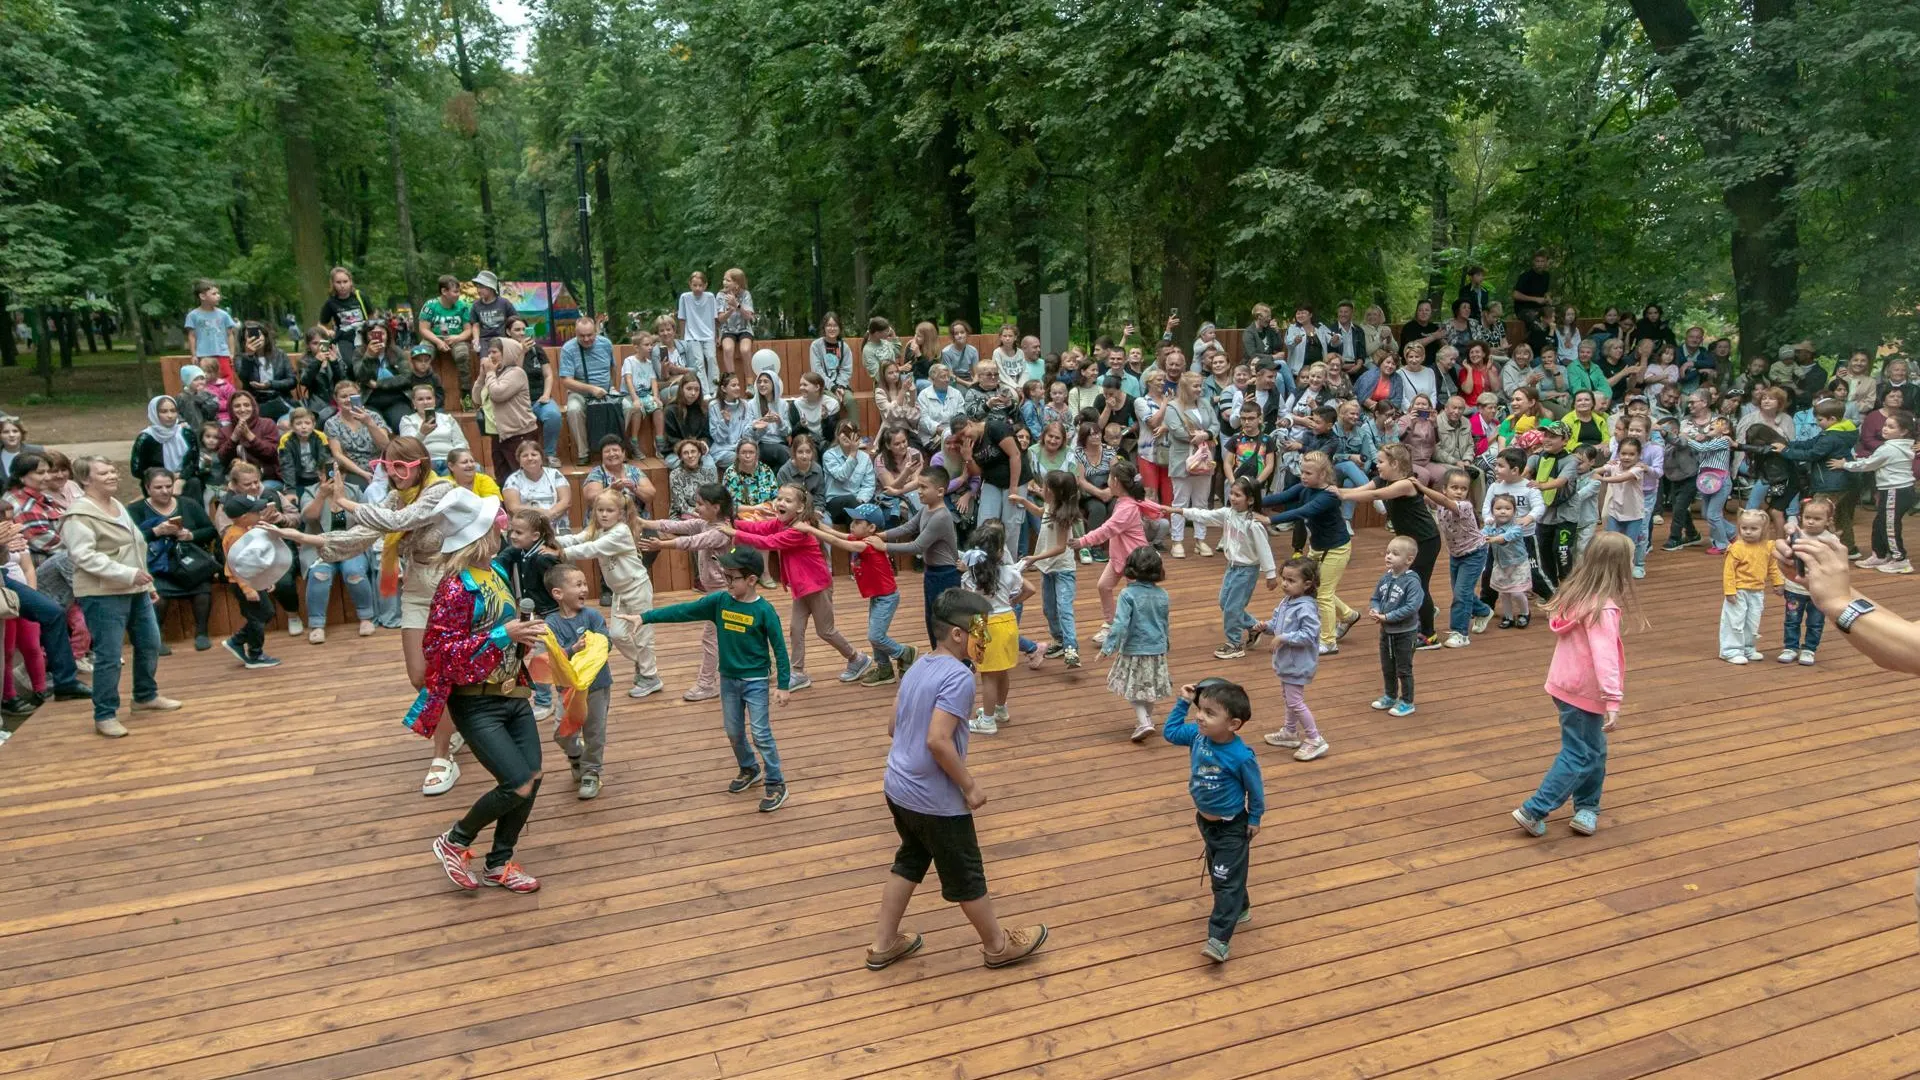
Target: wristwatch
{"x":1852,"y":614}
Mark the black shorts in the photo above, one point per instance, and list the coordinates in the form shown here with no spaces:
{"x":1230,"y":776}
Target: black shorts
{"x":736,"y":335}
{"x":947,"y":843}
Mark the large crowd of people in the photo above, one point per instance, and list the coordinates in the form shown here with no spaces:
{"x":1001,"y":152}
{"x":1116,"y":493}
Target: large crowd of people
{"x":1538,"y":455}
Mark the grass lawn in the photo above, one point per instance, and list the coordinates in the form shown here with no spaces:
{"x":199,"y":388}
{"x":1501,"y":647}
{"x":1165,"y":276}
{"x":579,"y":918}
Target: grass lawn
{"x":100,"y":399}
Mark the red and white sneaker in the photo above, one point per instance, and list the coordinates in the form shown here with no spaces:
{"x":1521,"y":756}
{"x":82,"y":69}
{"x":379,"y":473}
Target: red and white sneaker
{"x":512,"y":878}
{"x":454,"y":859}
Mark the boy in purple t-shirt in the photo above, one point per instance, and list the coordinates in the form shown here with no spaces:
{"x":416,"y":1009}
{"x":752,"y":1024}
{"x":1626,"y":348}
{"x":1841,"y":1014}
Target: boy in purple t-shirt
{"x":933,"y":796}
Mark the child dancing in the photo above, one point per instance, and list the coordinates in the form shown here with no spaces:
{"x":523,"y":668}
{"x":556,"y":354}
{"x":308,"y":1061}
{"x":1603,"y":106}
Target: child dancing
{"x":1058,"y":576}
{"x":609,"y":537}
{"x":1296,"y":656}
{"x":1228,"y":797}
{"x":873,"y":573}
{"x":1249,"y":554}
{"x":1586,"y":681}
{"x":1003,"y":583}
{"x":1891,"y":464}
{"x":1513,"y":569}
{"x":1139,"y":635}
{"x":808,"y":576}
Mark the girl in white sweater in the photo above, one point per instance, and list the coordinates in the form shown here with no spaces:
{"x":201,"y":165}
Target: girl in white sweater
{"x":1891,"y":464}
{"x":609,"y":538}
{"x":1249,"y":555}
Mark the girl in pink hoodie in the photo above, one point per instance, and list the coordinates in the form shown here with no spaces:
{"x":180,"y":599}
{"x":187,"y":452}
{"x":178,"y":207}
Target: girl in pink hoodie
{"x":1124,"y":530}
{"x":808,"y":576}
{"x":1587,"y":682}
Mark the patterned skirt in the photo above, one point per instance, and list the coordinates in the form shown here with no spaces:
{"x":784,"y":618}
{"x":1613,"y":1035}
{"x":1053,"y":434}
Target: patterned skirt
{"x":1140,"y":678}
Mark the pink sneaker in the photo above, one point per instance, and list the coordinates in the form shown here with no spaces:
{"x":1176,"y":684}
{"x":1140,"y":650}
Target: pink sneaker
{"x":511,"y":878}
{"x":454,"y":859}
{"x":1711,"y":550}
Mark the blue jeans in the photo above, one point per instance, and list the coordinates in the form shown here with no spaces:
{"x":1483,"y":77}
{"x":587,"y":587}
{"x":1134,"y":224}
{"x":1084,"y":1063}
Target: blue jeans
{"x":320,"y":588}
{"x":1579,"y":770}
{"x":55,"y":640}
{"x":936,"y":580}
{"x":880,"y":611}
{"x":1634,"y":529}
{"x":112,"y":620}
{"x":1056,"y":599}
{"x":738,"y":697}
{"x":1236,"y":592}
{"x":1464,"y":571}
{"x":1713,"y":507}
{"x":1805,"y":622}
{"x":549,"y":415}
{"x":1347,"y":475}
{"x":994,"y":504}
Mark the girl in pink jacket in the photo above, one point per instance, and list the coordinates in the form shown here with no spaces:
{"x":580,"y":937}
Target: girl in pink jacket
{"x":808,"y":577}
{"x":1587,"y":682}
{"x":1124,"y":530}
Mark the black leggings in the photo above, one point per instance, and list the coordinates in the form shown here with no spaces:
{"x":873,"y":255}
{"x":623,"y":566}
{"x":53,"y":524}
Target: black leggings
{"x":1423,"y":560}
{"x":505,"y":739}
{"x":1542,"y":588}
{"x":202,"y":604}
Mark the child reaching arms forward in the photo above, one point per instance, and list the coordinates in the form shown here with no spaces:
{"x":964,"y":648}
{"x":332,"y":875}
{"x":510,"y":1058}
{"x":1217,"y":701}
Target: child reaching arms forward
{"x":1229,"y":797}
{"x":1296,"y":656}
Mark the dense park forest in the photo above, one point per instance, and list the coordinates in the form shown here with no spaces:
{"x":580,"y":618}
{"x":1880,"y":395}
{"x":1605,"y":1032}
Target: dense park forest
{"x":1748,"y":165}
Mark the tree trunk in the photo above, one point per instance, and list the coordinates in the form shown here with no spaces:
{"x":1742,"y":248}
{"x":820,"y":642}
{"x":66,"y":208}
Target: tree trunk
{"x":1177,"y":286}
{"x":1377,"y":264}
{"x":63,"y":324}
{"x":363,"y":227}
{"x":402,"y":207}
{"x":9,"y":346}
{"x":962,"y":247}
{"x":86,"y":326}
{"x":465,"y":69}
{"x":303,"y":211}
{"x":862,"y":264}
{"x":1439,"y":239}
{"x":1766,"y":234}
{"x":139,"y":346}
{"x":609,"y":243}
{"x":42,"y":349}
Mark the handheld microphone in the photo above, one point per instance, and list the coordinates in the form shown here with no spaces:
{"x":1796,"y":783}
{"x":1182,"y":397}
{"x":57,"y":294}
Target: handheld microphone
{"x":526,"y":609}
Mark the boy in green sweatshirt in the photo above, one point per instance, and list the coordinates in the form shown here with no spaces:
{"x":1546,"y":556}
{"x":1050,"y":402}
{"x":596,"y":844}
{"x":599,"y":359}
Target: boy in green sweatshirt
{"x":752,"y":652}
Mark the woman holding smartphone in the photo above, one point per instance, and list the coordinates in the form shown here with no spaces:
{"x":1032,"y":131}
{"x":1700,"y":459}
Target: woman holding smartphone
{"x":355,"y":434}
{"x":171,"y":524}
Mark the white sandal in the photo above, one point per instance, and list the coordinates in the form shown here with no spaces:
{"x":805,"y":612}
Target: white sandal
{"x":456,"y":744}
{"x":441,"y":776}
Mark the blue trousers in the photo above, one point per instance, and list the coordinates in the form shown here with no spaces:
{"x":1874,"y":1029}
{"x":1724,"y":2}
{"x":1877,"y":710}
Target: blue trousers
{"x":1057,"y":589}
{"x":744,"y":702}
{"x":936,"y":580}
{"x":112,"y":620}
{"x":880,"y":611}
{"x":360,"y":588}
{"x":1464,"y":571}
{"x":550,"y":417}
{"x":1236,"y":592}
{"x":1805,"y":622}
{"x":1347,"y":475}
{"x":1581,"y":767}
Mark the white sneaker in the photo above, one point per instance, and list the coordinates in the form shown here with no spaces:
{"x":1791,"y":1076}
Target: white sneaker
{"x":1756,"y":654}
{"x":1639,"y":571}
{"x":317,"y":636}
{"x":1206,"y":552}
{"x":1788,"y":656}
{"x":295,"y":626}
{"x":644,"y":687}
{"x":1312,"y":748}
{"x":1179,"y":550}
{"x":1901,"y":566}
{"x":701,"y":693}
{"x":1737,"y":659}
{"x":799,"y":680}
{"x":1100,"y":638}
{"x":1457,"y":640}
{"x":366,"y":627}
{"x":1481,"y":622}
{"x":1141,"y":732}
{"x":1036,"y":658}
{"x":1286,"y":740}
{"x":1086,"y":556}
{"x":1806,"y":657}
{"x":856,"y":667}
{"x":982,"y":724}
{"x":1872,"y":561}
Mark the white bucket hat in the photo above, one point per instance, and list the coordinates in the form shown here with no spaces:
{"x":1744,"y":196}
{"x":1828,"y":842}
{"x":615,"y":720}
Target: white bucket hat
{"x":259,"y":559}
{"x":467,"y":518}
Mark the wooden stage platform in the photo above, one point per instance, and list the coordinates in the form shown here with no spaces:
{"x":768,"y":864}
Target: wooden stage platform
{"x":244,"y":888}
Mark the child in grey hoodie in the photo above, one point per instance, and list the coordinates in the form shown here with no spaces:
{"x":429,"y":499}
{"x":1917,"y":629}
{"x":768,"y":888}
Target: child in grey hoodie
{"x":1296,"y":656}
{"x":1396,"y":607}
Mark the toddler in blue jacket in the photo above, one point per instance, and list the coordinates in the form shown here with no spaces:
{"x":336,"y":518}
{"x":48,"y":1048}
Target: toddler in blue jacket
{"x":1396,"y":607}
{"x":1228,"y":796}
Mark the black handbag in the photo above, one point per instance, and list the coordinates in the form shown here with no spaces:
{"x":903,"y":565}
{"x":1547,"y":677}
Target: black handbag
{"x":191,"y":567}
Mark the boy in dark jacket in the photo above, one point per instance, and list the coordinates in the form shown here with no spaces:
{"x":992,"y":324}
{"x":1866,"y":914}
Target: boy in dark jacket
{"x":1836,"y":439}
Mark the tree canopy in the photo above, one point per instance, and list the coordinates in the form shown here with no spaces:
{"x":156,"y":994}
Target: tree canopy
{"x":1747,"y":165}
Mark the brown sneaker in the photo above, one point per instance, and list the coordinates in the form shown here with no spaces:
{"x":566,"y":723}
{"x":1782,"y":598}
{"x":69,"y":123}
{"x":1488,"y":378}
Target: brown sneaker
{"x":903,"y":946}
{"x":1021,"y":944}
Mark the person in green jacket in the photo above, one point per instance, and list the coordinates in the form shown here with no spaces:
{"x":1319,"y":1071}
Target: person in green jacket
{"x":752,"y":653}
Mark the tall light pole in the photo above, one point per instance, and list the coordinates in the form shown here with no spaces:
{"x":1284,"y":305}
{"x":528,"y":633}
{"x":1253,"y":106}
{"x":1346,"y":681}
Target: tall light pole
{"x":586,"y":241}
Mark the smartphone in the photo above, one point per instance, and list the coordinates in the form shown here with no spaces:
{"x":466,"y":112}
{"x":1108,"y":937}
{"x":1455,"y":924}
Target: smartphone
{"x":1175,"y":312}
{"x":354,"y":401}
{"x":1799,"y":563}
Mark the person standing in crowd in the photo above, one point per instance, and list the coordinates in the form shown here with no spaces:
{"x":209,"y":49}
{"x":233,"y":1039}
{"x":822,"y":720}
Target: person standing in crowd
{"x":491,"y":314}
{"x":343,"y":318}
{"x":698,"y":312}
{"x":586,"y":370}
{"x":212,"y":331}
{"x":115,"y":592}
{"x":1531,"y":291}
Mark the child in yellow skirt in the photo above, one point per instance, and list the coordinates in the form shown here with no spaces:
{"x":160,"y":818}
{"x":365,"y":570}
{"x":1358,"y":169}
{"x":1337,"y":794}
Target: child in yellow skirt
{"x":1004,"y":585}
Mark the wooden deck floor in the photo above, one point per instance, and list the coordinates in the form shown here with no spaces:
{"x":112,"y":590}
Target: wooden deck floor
{"x":244,"y":888}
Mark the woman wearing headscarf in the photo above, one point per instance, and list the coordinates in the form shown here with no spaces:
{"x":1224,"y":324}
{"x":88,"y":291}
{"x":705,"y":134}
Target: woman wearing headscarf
{"x":164,"y":443}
